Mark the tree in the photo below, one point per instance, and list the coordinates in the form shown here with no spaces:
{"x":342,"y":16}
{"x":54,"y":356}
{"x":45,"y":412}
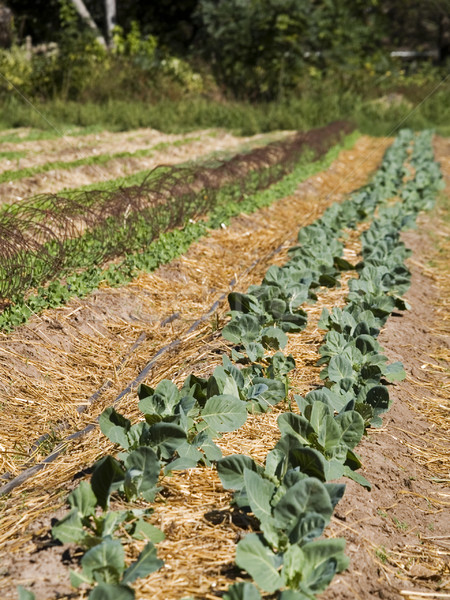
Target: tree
{"x":111,"y":16}
{"x":86,"y":16}
{"x":261,"y":48}
{"x":419,"y":25}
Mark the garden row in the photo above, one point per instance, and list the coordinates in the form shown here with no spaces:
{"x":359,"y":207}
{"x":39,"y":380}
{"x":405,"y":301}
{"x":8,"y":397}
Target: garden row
{"x":291,"y":496}
{"x":66,"y":240}
{"x":9,"y":175}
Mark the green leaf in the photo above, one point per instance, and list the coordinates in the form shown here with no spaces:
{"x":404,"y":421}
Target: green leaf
{"x":160,"y":401}
{"x":259,"y":493}
{"x":280,"y":365}
{"x":27,"y":595}
{"x":273,"y":337}
{"x":316,"y":413}
{"x":110,"y":591}
{"x":308,"y":460}
{"x":330,"y":438}
{"x":107,"y":477}
{"x":69,"y":529}
{"x":83,"y":499}
{"x":394,"y":372}
{"x":244,"y":303}
{"x":242,"y":591}
{"x":146,"y":531}
{"x":334,"y":469}
{"x":166,"y":438}
{"x":105,"y":562}
{"x":77,"y":579}
{"x":115,"y":427}
{"x":339,"y":368}
{"x":142,"y":474}
{"x":324,"y":558}
{"x":231,"y":470}
{"x":378,"y":398}
{"x":146,"y":563}
{"x":260,"y":562}
{"x":334,"y":401}
{"x":293,"y":322}
{"x":295,"y":595}
{"x":293,"y":562}
{"x":335,"y":491}
{"x":255,"y":351}
{"x":181,"y":464}
{"x":109,"y":521}
{"x":352,"y":427}
{"x":357,"y":477}
{"x":190,"y":451}
{"x":366,"y":344}
{"x":274,"y":393}
{"x":217,"y":381}
{"x":211,"y":450}
{"x":242,"y":329}
{"x":224,"y":413}
{"x":306,"y":496}
{"x":297,"y":426}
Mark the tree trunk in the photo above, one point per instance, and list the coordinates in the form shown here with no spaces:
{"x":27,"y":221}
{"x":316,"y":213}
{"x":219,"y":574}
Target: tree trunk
{"x":6,"y":24}
{"x":86,"y":16}
{"x":110,"y":12}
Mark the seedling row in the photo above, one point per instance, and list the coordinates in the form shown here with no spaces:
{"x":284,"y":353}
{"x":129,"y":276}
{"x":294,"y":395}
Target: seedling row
{"x":58,"y":247}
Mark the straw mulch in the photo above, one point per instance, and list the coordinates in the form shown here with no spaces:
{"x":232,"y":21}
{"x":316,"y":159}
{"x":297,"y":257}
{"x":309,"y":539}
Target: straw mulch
{"x":70,"y":359}
{"x":201,"y":528}
{"x":201,"y":143}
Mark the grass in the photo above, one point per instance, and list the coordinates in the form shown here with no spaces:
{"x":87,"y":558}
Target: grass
{"x":401,"y":525}
{"x":311,"y":108}
{"x":13,"y":155}
{"x":38,"y":134}
{"x":382,"y":554}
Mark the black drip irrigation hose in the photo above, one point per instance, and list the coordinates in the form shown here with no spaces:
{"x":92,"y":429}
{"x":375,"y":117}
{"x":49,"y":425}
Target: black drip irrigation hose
{"x":30,"y":471}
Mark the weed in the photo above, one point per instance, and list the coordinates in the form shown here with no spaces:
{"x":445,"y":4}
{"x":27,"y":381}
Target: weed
{"x":382,"y":554}
{"x":401,"y":525}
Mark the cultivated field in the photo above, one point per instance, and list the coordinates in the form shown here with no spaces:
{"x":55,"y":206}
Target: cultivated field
{"x":227,"y":377}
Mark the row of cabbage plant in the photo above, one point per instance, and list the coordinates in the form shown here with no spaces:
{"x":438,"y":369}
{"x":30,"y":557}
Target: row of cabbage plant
{"x":292,"y":495}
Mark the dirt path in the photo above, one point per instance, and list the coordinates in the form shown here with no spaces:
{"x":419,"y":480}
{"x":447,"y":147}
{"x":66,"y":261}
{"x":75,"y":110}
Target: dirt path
{"x":180,"y":148}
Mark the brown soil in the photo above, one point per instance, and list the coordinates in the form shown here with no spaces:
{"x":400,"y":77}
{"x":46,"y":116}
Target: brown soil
{"x":69,"y":149}
{"x":398,"y":534}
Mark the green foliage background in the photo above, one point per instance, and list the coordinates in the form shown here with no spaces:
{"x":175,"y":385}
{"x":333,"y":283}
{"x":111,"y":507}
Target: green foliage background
{"x":176,"y":65}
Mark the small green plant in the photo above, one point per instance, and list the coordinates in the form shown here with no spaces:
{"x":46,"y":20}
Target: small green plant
{"x":382,"y":554}
{"x":401,"y":525}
